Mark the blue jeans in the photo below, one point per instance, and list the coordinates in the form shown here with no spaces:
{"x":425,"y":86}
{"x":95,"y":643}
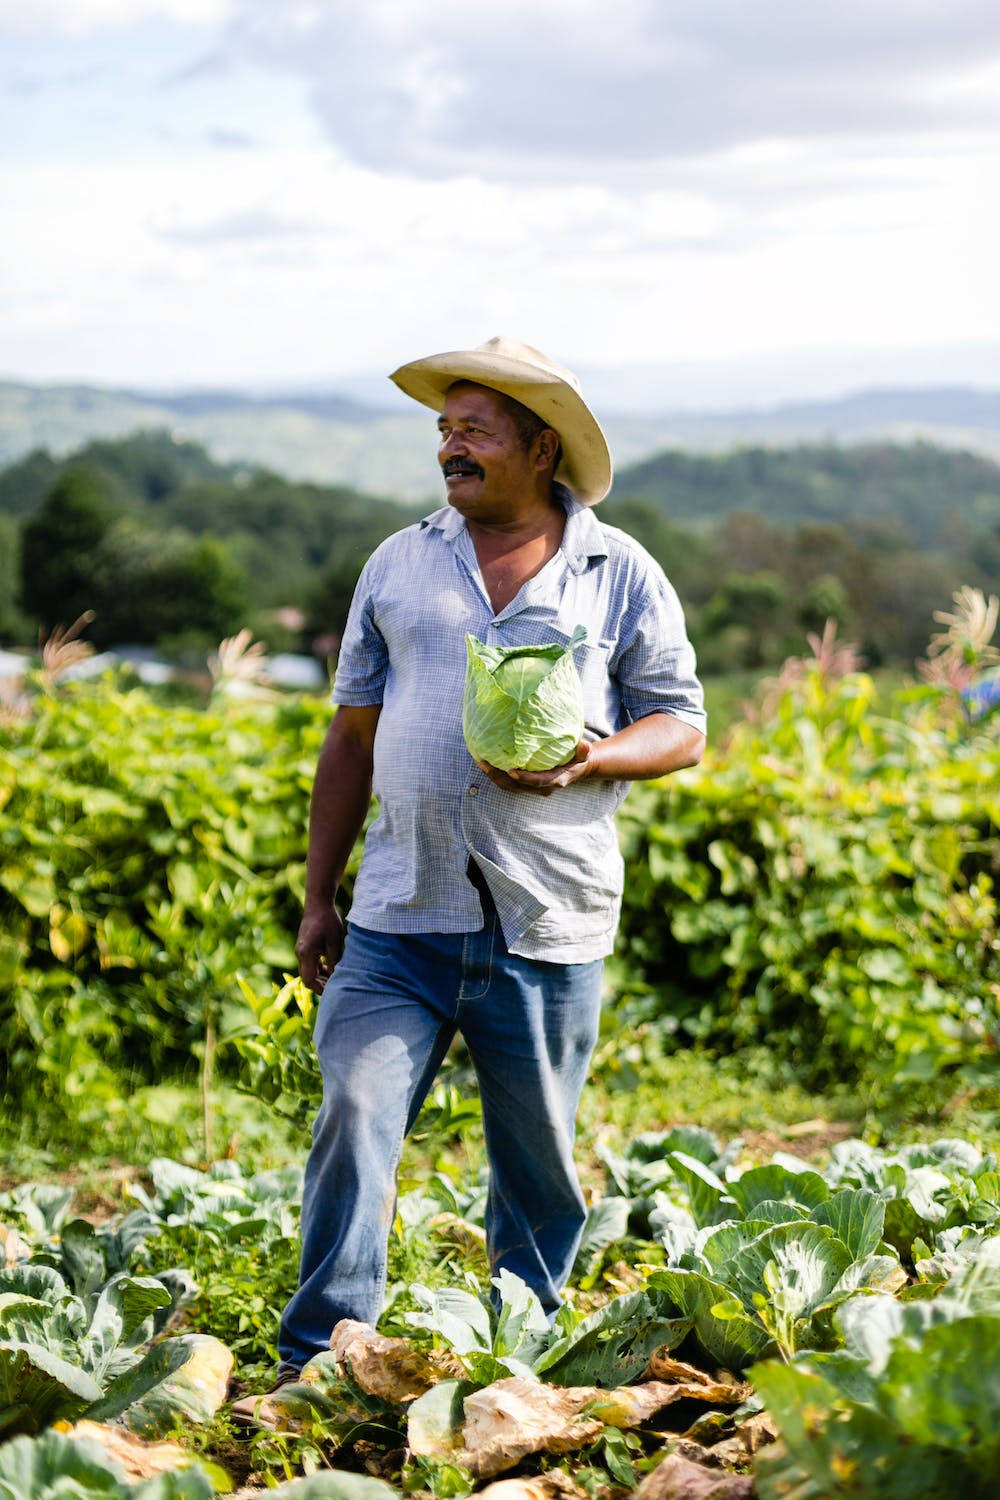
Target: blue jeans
{"x":384,"y":1024}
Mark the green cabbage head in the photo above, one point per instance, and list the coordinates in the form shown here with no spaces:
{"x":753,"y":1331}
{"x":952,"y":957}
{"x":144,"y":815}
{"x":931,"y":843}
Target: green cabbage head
{"x":523,"y":706}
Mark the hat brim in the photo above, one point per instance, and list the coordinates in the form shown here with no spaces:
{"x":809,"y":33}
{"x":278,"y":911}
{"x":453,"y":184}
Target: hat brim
{"x":586,"y":460}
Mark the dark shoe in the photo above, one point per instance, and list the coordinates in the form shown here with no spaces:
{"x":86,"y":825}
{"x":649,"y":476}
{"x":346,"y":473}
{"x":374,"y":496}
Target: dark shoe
{"x":260,"y":1411}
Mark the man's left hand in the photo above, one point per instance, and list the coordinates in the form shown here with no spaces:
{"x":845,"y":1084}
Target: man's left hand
{"x":543,"y":782}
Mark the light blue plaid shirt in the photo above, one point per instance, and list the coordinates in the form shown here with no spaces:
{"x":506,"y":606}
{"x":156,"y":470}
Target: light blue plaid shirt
{"x":552,"y":863}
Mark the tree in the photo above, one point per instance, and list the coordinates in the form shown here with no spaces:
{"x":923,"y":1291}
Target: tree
{"x":899,"y":616}
{"x":755,"y":604}
{"x":750,"y":544}
{"x":153,"y":584}
{"x":13,"y":626}
{"x":824,"y":599}
{"x":58,"y":544}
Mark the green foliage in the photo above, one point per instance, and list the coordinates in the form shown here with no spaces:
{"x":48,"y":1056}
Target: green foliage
{"x":57,"y":1466}
{"x":824,"y":483}
{"x":149,"y":856}
{"x":886,"y":1382}
{"x":752,"y":602}
{"x":13,"y":623}
{"x":160,"y":540}
{"x":825,"y":887}
{"x":279,"y":1063}
{"x":512,"y":1336}
{"x":907,"y":1410}
{"x":237,"y":1235}
{"x":58,"y":547}
{"x":148,"y":586}
{"x":873,"y":536}
{"x":66,"y":1354}
{"x":824,"y":599}
{"x":80,"y":552}
{"x":915,"y":1198}
{"x":928,"y":1192}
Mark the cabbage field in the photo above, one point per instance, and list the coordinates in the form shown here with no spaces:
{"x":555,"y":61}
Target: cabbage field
{"x":789,"y":1283}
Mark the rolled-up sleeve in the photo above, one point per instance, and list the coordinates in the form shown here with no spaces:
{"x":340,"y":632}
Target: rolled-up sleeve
{"x":655,"y":664}
{"x":363,"y":663}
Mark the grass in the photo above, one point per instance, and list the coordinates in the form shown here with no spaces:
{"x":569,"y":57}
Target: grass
{"x":639,"y":1082}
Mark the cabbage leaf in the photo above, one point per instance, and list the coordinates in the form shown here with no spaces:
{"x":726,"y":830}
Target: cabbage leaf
{"x":523,"y":705}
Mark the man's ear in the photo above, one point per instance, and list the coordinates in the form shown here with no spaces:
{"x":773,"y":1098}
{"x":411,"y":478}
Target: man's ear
{"x":546,"y":449}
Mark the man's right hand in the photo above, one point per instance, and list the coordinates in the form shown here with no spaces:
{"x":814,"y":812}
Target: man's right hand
{"x":319,"y":945}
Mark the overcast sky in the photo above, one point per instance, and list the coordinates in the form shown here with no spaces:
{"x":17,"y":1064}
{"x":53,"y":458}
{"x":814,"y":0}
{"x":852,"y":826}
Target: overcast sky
{"x":755,"y":194}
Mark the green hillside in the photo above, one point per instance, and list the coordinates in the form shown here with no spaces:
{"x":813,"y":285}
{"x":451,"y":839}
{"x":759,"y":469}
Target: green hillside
{"x":383,"y":444}
{"x":763,"y":545}
{"x":925,"y":490}
{"x":121,"y":524}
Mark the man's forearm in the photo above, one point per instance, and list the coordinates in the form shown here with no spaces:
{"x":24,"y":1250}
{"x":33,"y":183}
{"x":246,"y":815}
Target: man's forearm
{"x":341,"y":794}
{"x":652,"y":746}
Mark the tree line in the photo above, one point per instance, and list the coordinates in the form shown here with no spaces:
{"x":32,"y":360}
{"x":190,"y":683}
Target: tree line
{"x":170,"y":548}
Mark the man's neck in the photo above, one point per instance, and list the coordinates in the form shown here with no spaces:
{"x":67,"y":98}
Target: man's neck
{"x":515,"y":551}
{"x":542,"y":519}
{"x":504,"y":536}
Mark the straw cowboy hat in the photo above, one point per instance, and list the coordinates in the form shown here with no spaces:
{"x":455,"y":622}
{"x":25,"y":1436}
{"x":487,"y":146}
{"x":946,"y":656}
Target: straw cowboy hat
{"x":547,"y":389}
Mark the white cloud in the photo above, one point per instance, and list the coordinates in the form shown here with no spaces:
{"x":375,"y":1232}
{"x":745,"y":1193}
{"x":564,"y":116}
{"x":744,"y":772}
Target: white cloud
{"x":578,"y":86}
{"x":82,"y":17}
{"x":345,"y":185}
{"x":261,"y":266}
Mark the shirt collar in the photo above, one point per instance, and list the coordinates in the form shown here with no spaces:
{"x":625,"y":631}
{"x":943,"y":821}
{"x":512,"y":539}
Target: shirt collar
{"x":583,"y":537}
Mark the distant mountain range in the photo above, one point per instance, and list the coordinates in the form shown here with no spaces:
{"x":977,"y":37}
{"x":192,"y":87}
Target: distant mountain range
{"x":331,"y":438}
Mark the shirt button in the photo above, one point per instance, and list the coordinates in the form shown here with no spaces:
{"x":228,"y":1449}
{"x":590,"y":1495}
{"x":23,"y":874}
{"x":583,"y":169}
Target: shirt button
{"x":473,"y":791}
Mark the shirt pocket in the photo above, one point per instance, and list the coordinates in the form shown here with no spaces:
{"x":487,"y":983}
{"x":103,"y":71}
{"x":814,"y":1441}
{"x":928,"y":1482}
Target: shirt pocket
{"x":600,"y":693}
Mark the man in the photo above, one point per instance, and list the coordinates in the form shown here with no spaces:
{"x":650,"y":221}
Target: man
{"x":486,"y":901}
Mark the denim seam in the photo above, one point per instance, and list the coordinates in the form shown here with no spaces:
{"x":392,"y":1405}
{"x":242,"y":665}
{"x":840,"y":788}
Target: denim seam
{"x":470,"y":937}
{"x":384,"y":1268}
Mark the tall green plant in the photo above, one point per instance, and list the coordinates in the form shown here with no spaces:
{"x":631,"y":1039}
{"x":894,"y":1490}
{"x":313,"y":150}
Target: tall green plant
{"x":825,"y":884}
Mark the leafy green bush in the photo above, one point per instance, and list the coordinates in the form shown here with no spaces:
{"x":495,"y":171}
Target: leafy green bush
{"x":149,"y":855}
{"x":825,"y":885}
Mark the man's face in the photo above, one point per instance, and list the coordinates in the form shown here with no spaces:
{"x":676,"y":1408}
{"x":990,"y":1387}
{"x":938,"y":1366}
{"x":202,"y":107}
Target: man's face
{"x":488,"y":472}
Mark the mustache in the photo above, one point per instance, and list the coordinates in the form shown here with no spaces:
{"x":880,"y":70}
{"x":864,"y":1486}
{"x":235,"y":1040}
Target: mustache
{"x":462,"y":466}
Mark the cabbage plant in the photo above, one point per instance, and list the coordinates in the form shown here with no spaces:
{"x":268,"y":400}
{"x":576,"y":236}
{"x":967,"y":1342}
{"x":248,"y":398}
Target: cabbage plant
{"x":523,"y":704}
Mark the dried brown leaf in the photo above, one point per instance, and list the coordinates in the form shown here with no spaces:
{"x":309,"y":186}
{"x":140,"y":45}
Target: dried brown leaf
{"x":678,"y":1478}
{"x":455,"y":1230}
{"x":632,"y":1405}
{"x":757,"y":1432}
{"x":207,"y":1369}
{"x":391,"y":1369}
{"x":276,"y":1412}
{"x":722,"y":1386}
{"x":12,"y":1247}
{"x":138,"y":1459}
{"x":511,"y":1418}
{"x":517,"y":1416}
{"x":552,"y":1486}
